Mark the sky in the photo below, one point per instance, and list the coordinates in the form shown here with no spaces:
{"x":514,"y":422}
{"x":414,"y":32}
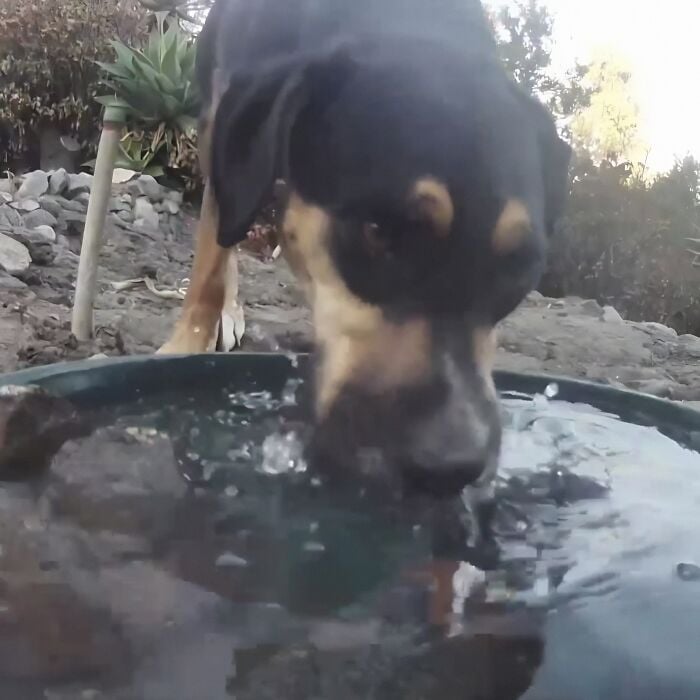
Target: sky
{"x":661,"y":42}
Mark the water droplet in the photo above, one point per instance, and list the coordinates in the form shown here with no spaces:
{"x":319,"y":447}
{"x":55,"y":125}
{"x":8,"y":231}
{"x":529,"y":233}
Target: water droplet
{"x":551,"y":390}
{"x":313,"y":527}
{"x":688,"y":572}
{"x":230,"y":559}
{"x":314,"y":547}
{"x":208,"y":470}
{"x":282,"y":454}
{"x":289,"y":393}
{"x":231,"y":491}
{"x":293,"y":359}
{"x":316,"y":481}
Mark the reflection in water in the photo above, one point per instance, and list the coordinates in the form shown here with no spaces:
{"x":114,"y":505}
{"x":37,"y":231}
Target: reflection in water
{"x":184,"y":551}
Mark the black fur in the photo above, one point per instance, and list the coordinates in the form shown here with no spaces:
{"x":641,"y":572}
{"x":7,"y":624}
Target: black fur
{"x":350,"y":101}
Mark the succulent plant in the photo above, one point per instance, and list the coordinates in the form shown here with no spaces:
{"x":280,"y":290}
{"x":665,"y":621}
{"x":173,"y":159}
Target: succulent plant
{"x":156,"y":85}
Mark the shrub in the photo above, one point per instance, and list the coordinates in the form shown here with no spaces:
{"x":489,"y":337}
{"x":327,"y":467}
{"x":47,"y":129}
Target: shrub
{"x":628,"y":242}
{"x":48,"y":75}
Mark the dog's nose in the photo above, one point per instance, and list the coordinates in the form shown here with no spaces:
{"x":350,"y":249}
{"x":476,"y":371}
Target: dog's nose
{"x":452,"y":449}
{"x":441,"y":478}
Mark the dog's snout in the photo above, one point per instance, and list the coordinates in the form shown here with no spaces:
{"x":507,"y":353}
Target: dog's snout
{"x":442,"y":478}
{"x":454,"y":448}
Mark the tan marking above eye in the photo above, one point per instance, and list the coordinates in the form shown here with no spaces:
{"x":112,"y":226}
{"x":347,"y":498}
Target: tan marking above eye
{"x":512,"y":228}
{"x":430,"y":201}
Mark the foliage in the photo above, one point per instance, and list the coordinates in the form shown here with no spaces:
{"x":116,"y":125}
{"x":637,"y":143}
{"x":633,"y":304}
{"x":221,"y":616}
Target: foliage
{"x":48,"y":74}
{"x":629,"y":238}
{"x":625,"y":242}
{"x":524,"y":33}
{"x":157,"y":85}
{"x":608,"y":127}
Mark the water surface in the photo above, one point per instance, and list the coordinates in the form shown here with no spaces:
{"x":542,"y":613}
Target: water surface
{"x":184,"y":551}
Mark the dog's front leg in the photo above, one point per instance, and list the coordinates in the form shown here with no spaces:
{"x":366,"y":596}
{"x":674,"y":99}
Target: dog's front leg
{"x":196,"y":329}
{"x":232,"y":325}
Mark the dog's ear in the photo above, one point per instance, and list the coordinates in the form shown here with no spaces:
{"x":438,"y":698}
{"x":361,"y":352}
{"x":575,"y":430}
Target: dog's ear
{"x":252,"y":128}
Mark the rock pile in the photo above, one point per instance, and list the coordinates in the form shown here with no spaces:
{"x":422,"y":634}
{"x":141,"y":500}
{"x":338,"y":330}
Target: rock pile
{"x":42,"y":211}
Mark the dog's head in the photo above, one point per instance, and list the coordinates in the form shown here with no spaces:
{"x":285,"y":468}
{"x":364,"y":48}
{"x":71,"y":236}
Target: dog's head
{"x":423,"y":187}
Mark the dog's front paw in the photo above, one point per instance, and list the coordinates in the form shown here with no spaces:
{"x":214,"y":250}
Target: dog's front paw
{"x":231,"y":329}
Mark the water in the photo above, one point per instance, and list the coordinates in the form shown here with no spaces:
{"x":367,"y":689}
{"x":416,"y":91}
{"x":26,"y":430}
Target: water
{"x":185,"y":551}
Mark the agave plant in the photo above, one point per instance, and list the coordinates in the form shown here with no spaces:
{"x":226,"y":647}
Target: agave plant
{"x":156,"y":83}
{"x":156,"y":86}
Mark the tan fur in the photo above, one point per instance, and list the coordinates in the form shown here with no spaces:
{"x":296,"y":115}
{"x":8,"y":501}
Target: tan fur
{"x":358,"y":344}
{"x":431,"y":202}
{"x":214,"y":277}
{"x":512,"y":228}
{"x":195,"y":330}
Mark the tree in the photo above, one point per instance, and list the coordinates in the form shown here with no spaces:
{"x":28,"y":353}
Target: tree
{"x":524,"y":35}
{"x":608,"y":128}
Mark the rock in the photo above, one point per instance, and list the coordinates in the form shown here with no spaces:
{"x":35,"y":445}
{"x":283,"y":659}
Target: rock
{"x":117,"y":205}
{"x":9,"y":217}
{"x":610,"y":315}
{"x":7,"y":185}
{"x":51,"y":204}
{"x":72,"y":222}
{"x":127,"y":199}
{"x":33,"y":185}
{"x":82,"y":198}
{"x":39,"y":217}
{"x":688,"y":572}
{"x":145,"y":214}
{"x":25,"y":205}
{"x":78,"y":183}
{"x":14,"y":257}
{"x":659,"y":328}
{"x":38,"y":242}
{"x":126,"y":216}
{"x":146,"y":186}
{"x":158,"y":206}
{"x":8,"y":282}
{"x":70,"y":205}
{"x":592,"y":308}
{"x":58,"y":182}
{"x":46,"y":232}
{"x":174,"y":196}
{"x":171,"y":207}
{"x":5,"y":197}
{"x":121,"y":175}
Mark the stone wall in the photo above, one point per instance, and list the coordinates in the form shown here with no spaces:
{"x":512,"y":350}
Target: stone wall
{"x":42,"y":211}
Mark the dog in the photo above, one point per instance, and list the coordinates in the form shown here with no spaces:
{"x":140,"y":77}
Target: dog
{"x":423,"y":186}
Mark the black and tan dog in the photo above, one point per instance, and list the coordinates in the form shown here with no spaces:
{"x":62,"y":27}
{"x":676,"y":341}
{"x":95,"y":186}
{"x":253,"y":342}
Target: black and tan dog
{"x":423,"y":183}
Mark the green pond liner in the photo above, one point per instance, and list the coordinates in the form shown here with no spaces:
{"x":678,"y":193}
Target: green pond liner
{"x":100,"y":383}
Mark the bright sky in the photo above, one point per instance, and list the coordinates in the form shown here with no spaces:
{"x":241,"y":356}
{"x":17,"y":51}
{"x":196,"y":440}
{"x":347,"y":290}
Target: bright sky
{"x":661,"y":41}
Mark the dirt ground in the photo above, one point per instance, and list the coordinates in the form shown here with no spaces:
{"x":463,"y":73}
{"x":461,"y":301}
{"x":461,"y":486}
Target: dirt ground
{"x":569,"y":337}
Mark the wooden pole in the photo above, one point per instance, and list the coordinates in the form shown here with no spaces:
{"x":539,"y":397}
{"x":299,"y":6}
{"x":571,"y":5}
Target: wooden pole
{"x":86,"y":284}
